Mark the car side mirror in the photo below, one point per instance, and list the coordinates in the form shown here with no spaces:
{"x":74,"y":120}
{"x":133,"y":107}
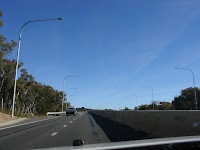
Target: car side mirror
{"x":78,"y":142}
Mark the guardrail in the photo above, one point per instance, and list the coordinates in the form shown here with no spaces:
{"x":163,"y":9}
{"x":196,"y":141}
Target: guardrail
{"x":55,"y":113}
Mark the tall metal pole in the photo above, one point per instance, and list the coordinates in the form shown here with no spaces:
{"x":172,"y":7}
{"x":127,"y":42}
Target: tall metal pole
{"x":67,"y":92}
{"x":63,"y":92}
{"x":129,"y":102}
{"x":70,"y":98}
{"x":152,"y":94}
{"x":195,"y":92}
{"x":64,"y":88}
{"x":20,"y":35}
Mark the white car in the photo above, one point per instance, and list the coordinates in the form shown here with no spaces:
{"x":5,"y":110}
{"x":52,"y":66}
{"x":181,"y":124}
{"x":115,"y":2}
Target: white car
{"x":71,"y":110}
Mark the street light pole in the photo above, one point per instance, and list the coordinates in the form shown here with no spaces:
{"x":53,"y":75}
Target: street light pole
{"x":67,"y":93}
{"x":64,"y":88}
{"x":20,"y":35}
{"x":129,"y":103}
{"x":136,"y":99}
{"x":152,"y":94}
{"x":195,"y":93}
{"x":70,"y":98}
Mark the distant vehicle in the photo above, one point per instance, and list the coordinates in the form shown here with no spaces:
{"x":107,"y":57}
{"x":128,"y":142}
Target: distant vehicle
{"x":71,"y":110}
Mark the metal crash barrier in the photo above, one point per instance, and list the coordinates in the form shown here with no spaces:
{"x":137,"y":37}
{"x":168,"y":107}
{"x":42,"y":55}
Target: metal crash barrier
{"x":55,"y":113}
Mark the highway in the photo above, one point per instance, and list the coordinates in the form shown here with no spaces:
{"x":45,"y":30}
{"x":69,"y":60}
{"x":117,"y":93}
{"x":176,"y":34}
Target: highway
{"x":62,"y":131}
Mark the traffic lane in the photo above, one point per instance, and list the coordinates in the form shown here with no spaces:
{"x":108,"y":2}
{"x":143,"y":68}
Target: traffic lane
{"x":23,"y":137}
{"x":5,"y":131}
{"x":20,"y":137}
{"x":117,"y":132}
{"x":31,"y":119}
{"x":28,"y":121}
{"x":79,"y":128}
{"x":55,"y":134}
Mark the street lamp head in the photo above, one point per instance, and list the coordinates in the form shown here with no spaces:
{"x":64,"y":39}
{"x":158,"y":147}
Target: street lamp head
{"x":60,"y":18}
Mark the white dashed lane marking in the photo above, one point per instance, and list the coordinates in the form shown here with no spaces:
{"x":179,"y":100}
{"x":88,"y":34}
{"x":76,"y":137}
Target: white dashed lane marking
{"x":64,"y":126}
{"x":53,"y":134}
{"x":70,"y":121}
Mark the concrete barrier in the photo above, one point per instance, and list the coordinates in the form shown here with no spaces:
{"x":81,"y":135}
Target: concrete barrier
{"x":158,"y":123}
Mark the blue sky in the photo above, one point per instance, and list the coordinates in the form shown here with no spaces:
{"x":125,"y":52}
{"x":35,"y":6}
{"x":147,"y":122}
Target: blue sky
{"x":115,"y":46}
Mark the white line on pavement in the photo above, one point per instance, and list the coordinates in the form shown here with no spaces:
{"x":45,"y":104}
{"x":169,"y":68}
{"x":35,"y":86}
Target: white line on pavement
{"x":70,"y":121}
{"x":53,"y":134}
{"x":64,"y":126}
{"x":26,"y":123}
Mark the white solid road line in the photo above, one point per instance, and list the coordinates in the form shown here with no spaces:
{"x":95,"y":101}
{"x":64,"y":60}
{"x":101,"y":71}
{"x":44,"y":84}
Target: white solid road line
{"x":64,"y":126}
{"x":53,"y":134}
{"x":27,"y":123}
{"x":70,"y":121}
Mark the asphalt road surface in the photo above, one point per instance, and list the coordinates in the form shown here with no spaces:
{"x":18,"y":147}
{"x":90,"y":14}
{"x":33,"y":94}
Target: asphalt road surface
{"x":62,"y":131}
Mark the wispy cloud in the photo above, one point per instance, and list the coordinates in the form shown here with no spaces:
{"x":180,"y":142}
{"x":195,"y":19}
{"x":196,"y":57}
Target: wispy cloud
{"x":164,"y":29}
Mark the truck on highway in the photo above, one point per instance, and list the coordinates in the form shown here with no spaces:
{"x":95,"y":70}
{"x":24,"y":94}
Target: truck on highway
{"x":71,"y":110}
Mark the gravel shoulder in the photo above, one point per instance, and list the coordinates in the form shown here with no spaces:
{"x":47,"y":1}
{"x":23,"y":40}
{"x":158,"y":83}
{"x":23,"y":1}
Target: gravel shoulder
{"x":6,"y":119}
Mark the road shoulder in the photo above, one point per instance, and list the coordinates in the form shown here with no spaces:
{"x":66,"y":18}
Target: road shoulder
{"x":12,"y":122}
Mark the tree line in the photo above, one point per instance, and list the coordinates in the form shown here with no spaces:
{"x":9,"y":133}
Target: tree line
{"x":32,"y":97}
{"x":184,"y":101}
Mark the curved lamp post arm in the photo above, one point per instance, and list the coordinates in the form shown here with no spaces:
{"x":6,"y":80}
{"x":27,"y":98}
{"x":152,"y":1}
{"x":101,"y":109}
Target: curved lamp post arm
{"x":195,"y":93}
{"x":20,"y":34}
{"x":188,"y":70}
{"x":71,"y":89}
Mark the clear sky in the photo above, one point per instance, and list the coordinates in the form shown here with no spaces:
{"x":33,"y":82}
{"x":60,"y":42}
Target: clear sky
{"x":116,"y":46}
